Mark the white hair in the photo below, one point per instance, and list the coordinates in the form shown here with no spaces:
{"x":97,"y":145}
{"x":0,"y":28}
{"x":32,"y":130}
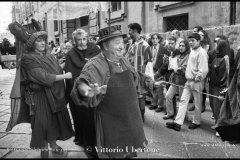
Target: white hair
{"x":78,"y":32}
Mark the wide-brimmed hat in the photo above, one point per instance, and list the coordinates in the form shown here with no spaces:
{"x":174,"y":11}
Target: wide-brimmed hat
{"x":25,"y":35}
{"x":110,"y":32}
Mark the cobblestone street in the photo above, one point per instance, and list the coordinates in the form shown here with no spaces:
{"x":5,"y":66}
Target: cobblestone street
{"x":162,"y":142}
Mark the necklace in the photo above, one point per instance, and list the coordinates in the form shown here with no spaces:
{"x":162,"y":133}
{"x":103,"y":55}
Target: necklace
{"x":119,"y":64}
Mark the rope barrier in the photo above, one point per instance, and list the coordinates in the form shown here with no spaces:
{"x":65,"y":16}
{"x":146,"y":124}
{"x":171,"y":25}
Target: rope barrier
{"x":219,"y":97}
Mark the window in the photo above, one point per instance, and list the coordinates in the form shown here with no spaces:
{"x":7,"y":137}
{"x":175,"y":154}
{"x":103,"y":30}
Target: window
{"x":115,"y":6}
{"x":55,"y":25}
{"x":232,"y":13}
{"x":44,"y":25}
{"x":84,"y":21}
{"x":179,"y":22}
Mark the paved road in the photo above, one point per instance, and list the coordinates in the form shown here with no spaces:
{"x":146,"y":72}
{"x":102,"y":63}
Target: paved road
{"x":162,"y":142}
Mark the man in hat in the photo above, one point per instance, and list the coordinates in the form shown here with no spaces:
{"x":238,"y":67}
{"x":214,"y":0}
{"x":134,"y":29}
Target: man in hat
{"x":196,"y":71}
{"x":109,"y":83}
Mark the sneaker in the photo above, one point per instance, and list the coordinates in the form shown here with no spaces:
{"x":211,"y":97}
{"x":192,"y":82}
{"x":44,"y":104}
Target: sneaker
{"x":194,"y":126}
{"x":192,"y":108}
{"x":217,"y":134}
{"x":173,"y":125}
{"x":159,"y":110}
{"x":168,"y":117}
{"x":153,"y":107}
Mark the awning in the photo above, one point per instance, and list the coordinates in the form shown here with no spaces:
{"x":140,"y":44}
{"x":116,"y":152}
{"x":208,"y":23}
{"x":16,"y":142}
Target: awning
{"x":59,"y":10}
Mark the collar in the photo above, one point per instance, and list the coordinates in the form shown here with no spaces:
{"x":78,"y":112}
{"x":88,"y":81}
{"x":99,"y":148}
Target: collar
{"x":118,"y":63}
{"x":140,"y":41}
{"x":157,"y":46}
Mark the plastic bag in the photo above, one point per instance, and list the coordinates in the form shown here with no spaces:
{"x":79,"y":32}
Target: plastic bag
{"x":173,"y":64}
{"x":149,"y":70}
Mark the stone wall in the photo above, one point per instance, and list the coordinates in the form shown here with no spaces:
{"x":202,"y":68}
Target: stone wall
{"x":232,"y":32}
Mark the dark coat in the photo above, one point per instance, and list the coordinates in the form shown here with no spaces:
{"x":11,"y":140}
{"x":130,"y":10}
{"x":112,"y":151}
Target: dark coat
{"x":228,"y":124}
{"x":75,"y":61}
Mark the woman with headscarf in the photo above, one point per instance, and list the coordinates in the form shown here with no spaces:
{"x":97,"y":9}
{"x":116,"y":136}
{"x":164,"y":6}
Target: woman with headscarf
{"x":218,"y":76}
{"x":177,"y":77}
{"x":43,"y":101}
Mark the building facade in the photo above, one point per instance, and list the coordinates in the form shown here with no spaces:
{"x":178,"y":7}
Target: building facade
{"x":156,"y":16}
{"x":51,"y":14}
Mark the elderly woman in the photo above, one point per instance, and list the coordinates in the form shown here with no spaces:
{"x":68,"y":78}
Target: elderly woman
{"x":109,"y":84}
{"x":44,"y":92}
{"x":77,"y":57}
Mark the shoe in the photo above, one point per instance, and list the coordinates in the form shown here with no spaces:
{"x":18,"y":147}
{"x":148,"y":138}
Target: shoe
{"x":147,"y":102}
{"x":153,"y":107}
{"x":173,"y":125}
{"x":159,"y":110}
{"x":44,"y":154}
{"x":192,"y":108}
{"x":212,"y":117}
{"x":58,"y":150}
{"x":168,"y":117}
{"x":194,"y":126}
{"x":217,"y":134}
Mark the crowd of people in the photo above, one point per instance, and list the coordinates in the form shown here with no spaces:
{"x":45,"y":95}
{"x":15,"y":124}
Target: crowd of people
{"x":107,"y":86}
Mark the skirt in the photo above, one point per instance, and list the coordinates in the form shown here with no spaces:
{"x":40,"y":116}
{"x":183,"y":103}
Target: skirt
{"x":48,"y":126}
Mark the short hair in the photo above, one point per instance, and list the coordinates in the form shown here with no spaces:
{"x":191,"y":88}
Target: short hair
{"x":199,"y":28}
{"x":78,"y":31}
{"x":136,"y":26}
{"x":158,"y":36}
{"x":172,"y":39}
{"x":65,"y":41}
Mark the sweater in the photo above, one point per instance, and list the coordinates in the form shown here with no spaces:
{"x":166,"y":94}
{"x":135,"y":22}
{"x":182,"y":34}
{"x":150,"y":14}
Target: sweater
{"x":197,"y":65}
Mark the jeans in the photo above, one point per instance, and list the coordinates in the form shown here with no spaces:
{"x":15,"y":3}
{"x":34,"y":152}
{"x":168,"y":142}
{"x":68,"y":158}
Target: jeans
{"x":172,"y":91}
{"x":158,"y":97}
{"x":186,"y":95}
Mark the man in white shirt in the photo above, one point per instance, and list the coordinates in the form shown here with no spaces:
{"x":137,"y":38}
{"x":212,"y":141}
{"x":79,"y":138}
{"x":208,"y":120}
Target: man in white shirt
{"x":196,"y":71}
